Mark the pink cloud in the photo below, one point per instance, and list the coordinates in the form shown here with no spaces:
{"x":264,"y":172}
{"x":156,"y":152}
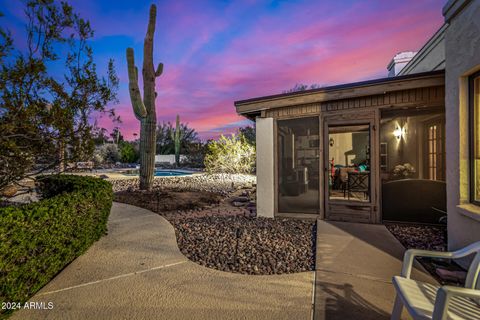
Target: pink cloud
{"x":207,"y":70}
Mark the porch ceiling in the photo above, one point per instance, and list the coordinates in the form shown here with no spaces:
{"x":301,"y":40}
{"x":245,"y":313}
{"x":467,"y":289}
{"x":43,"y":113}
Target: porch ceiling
{"x":252,"y":107}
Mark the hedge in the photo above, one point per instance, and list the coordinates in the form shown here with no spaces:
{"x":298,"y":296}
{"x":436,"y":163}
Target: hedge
{"x":38,"y":240}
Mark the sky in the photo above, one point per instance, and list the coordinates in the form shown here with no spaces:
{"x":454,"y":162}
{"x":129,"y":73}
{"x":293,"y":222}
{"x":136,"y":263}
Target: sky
{"x":216,"y":52}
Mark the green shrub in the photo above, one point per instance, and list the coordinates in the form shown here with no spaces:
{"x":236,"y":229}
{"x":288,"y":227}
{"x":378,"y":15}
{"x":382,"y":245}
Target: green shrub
{"x":230,"y":155}
{"x":38,"y":240}
{"x":128,"y":154}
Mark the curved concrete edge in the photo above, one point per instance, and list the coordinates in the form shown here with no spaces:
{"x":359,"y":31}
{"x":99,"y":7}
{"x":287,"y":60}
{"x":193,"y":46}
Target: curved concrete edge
{"x":137,"y":271}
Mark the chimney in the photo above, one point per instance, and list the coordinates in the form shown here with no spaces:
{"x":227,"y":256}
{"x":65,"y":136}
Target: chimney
{"x":399,"y":61}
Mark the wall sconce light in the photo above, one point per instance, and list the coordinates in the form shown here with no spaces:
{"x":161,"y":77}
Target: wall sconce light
{"x":399,"y":133}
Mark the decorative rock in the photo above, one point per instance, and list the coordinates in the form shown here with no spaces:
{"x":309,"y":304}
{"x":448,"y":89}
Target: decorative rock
{"x":241,"y":199}
{"x":234,"y":243}
{"x":420,"y":236}
{"x":8,"y":191}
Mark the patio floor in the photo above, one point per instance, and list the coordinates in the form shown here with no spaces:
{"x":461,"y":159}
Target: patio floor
{"x":138,"y":272}
{"x":355,"y":265}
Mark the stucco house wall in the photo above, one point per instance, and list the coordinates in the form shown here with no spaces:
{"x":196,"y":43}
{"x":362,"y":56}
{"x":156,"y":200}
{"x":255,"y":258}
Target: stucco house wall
{"x":462,"y":45}
{"x":430,"y":57}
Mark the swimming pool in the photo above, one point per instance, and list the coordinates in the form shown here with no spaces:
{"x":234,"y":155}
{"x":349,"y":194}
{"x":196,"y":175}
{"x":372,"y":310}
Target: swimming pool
{"x":171,"y":173}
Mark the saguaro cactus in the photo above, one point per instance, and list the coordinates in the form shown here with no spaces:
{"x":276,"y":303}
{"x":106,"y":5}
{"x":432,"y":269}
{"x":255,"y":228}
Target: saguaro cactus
{"x":145,"y":109}
{"x":177,"y":135}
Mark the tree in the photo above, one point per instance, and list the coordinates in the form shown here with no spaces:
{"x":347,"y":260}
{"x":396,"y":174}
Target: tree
{"x":128,"y":153}
{"x":302,"y":87}
{"x":144,"y":109}
{"x":164,"y":139}
{"x":165,"y":142}
{"x":195,"y":154}
{"x":116,"y":135}
{"x":44,"y":117}
{"x":106,"y":153}
{"x":99,"y":135}
{"x":230,"y":155}
{"x":5,"y":42}
{"x":249,"y":134}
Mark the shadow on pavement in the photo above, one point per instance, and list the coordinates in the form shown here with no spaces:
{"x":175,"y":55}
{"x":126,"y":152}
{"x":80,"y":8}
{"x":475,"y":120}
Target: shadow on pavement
{"x":340,"y":301}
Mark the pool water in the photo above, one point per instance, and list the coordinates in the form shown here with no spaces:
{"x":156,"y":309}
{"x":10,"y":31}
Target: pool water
{"x":170,"y":173}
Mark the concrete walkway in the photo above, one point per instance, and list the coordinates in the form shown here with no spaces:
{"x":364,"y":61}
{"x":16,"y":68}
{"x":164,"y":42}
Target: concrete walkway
{"x":355,"y":265}
{"x":138,"y":272}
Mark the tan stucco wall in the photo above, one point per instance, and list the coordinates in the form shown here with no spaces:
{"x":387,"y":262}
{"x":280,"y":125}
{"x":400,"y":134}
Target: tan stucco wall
{"x":265,"y":167}
{"x":462,"y":44}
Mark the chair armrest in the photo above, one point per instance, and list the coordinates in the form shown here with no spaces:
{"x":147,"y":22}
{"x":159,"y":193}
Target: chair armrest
{"x":411,"y":254}
{"x":445,"y":293}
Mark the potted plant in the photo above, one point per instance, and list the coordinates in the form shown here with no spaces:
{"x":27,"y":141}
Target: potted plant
{"x":403,"y":171}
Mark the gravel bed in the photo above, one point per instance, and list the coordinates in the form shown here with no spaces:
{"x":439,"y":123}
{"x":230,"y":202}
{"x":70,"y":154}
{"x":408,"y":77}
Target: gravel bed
{"x":248,"y":245}
{"x":213,"y":217}
{"x":420,"y":236}
{"x":427,"y":237}
{"x":167,"y":201}
{"x":219,"y":183}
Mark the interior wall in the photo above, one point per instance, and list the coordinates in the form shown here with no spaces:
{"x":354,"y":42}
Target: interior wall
{"x":410,"y":148}
{"x":407,"y":149}
{"x":341,"y":142}
{"x":348,"y":148}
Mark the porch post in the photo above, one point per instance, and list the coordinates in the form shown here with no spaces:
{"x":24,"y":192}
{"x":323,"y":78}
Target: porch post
{"x":265,"y":167}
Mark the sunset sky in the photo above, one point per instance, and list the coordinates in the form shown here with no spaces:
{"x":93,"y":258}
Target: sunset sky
{"x":216,"y":52}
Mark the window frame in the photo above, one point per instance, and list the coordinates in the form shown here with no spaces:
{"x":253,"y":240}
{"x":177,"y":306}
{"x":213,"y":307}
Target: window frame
{"x":471,"y":136}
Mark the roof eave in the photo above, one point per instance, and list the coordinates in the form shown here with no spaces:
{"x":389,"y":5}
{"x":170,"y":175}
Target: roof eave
{"x":343,"y":91}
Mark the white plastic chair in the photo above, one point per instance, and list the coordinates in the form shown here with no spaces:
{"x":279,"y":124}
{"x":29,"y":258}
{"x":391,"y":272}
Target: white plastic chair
{"x":427,"y":301}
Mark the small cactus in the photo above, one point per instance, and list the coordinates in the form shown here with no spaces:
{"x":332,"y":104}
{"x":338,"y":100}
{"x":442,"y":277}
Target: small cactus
{"x":145,"y":109}
{"x":177,"y":136}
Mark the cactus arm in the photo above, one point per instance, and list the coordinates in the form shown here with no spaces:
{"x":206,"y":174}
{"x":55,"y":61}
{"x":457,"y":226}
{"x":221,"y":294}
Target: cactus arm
{"x":159,"y":71}
{"x":135,"y":97}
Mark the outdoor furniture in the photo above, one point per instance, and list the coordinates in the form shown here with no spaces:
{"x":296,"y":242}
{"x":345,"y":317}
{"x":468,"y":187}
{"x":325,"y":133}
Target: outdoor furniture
{"x":358,"y":182}
{"x":427,"y":301}
{"x":296,"y":182}
{"x":413,"y":200}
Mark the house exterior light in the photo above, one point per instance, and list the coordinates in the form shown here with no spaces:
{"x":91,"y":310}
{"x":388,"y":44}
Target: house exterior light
{"x":399,"y":133}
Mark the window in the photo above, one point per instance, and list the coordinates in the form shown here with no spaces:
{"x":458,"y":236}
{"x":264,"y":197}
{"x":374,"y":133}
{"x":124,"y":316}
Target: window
{"x":474,"y":90}
{"x":432,"y":152}
{"x":435,"y":150}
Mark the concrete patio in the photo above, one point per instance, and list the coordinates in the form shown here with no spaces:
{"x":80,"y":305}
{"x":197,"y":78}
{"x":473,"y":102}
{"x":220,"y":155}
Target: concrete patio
{"x":138,"y":272}
{"x":355,"y":264}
